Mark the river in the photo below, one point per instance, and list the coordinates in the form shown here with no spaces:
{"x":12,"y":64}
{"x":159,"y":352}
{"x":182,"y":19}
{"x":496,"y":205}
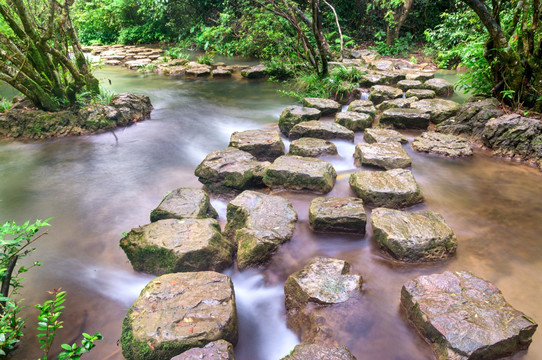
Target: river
{"x":97,"y":187}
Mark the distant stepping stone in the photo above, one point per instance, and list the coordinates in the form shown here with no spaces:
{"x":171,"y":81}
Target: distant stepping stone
{"x":354,"y":121}
{"x":413,"y":236}
{"x":326,"y":106}
{"x":420,"y":94}
{"x":363,"y":106}
{"x":409,"y":84}
{"x":422,"y":76}
{"x":393,"y":188}
{"x":265,"y":145}
{"x":397,"y":103}
{"x":440,"y":86}
{"x":184,"y":203}
{"x":438,"y":109}
{"x":293,"y":115}
{"x":198,"y":72}
{"x":177,"y":312}
{"x":405,"y":118}
{"x":230,"y":170}
{"x":300,"y":173}
{"x":369,"y":80}
{"x":216,"y":350}
{"x":173,"y":245}
{"x":221,"y":73}
{"x":442,"y":144}
{"x":321,"y":130}
{"x":255,"y":72}
{"x":258,"y":224}
{"x":383,"y":136}
{"x":380,"y":93}
{"x":337,"y":214}
{"x":465,"y":317}
{"x":389,"y":155}
{"x":315,"y":351}
{"x":312,"y":147}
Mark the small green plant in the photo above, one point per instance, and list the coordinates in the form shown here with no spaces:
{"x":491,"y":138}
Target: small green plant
{"x":5,"y":105}
{"x":176,"y":53}
{"x":105,"y":96}
{"x":413,"y":60}
{"x":147,"y":68}
{"x":206,"y":59}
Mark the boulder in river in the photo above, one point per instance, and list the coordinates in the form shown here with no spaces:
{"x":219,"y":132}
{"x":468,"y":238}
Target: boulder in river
{"x":422,"y":76}
{"x":401,"y":103}
{"x":383,"y":136}
{"x":255,"y":72}
{"x":354,"y":121}
{"x":312,"y":147}
{"x":184,"y":203}
{"x":472,"y":117}
{"x":319,"y":352}
{"x":440,"y":86}
{"x":199,"y":71}
{"x":174,"y":245}
{"x":230,"y":170}
{"x":221,"y":73}
{"x":413,"y":236}
{"x":321,"y":130}
{"x":300,"y":173}
{"x":363,"y":106}
{"x":258,"y":224}
{"x":216,"y":350}
{"x":177,"y":312}
{"x":409,"y":84}
{"x":390,"y":155}
{"x":293,"y":115}
{"x":442,"y":144}
{"x":380,"y":93}
{"x":326,"y":106}
{"x":337,"y":214}
{"x":393,"y":188}
{"x":265,"y":145}
{"x":439,"y":109}
{"x":420,"y":94}
{"x":369,"y":80}
{"x":465,"y":317}
{"x":405,"y":118}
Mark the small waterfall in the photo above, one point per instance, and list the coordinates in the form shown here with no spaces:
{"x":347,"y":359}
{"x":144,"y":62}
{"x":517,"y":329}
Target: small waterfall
{"x":364,"y":95}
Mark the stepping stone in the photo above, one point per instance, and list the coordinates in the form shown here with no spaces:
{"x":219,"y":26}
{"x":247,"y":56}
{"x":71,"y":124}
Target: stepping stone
{"x":393,"y":188}
{"x":177,"y":312}
{"x":465,"y":317}
{"x":369,"y":80}
{"x":312,"y":147}
{"x":354,"y":121}
{"x":174,"y":245}
{"x":300,"y":173}
{"x":262,"y":144}
{"x":221,"y":73}
{"x":389,"y":155}
{"x":397,"y":103}
{"x":393,"y":76}
{"x":326,"y":106}
{"x":113,"y":62}
{"x":315,"y":351}
{"x":293,"y":115}
{"x":337,"y":214}
{"x":255,"y":72}
{"x":230,"y":170}
{"x":383,"y":136}
{"x":409,"y":84}
{"x":198,"y":72}
{"x":258,"y":224}
{"x":380,"y":93}
{"x":420,"y":94}
{"x":439,"y":109}
{"x":405,"y":118}
{"x":363,"y":106}
{"x":321,"y":130}
{"x":216,"y":350}
{"x":413,"y":236}
{"x":440,"y":86}
{"x":442,"y":144}
{"x":184,"y":203}
{"x":383,"y":65}
{"x":421,"y":76}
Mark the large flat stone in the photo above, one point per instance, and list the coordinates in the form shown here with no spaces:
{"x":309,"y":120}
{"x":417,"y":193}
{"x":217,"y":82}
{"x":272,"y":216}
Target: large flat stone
{"x":420,"y":94}
{"x":312,"y":147}
{"x":265,"y":145}
{"x":363,"y":106}
{"x":439,"y":109}
{"x":326,"y":106}
{"x":409,"y":84}
{"x":405,"y":118}
{"x":321,"y":130}
{"x":383,"y":136}
{"x":442,"y":144}
{"x":184,"y":203}
{"x":440,"y":86}
{"x":354,"y":121}
{"x":390,"y":155}
{"x":293,"y":115}
{"x":337,"y":214}
{"x":380,"y":93}
{"x":402,"y":103}
{"x":255,"y":72}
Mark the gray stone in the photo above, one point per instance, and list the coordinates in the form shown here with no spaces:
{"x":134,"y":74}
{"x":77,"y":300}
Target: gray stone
{"x":265,"y":145}
{"x":354,"y":121}
{"x":319,"y":352}
{"x":393,"y":76}
{"x":409,"y":84}
{"x":183,"y":203}
{"x":363,"y":106}
{"x":421,"y":76}
{"x":384,"y":65}
{"x":312,"y":147}
{"x":369,"y":80}
{"x":326,"y":106}
{"x":177,"y":312}
{"x":198,"y":71}
{"x":222,"y":73}
{"x":405,"y":118}
{"x":321,"y":130}
{"x":440,"y":86}
{"x":380,"y":93}
{"x":337,"y":214}
{"x":413,"y":236}
{"x":216,"y":350}
{"x":390,"y":155}
{"x":465,"y":317}
{"x":393,"y":188}
{"x":420,"y":94}
{"x":442,"y":144}
{"x":383,"y":136}
{"x":255,"y":72}
{"x":439,"y":109}
{"x":293,"y":115}
{"x":397,"y":104}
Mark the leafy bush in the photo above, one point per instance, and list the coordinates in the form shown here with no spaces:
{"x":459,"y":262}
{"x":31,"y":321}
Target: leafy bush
{"x":5,"y":105}
{"x":401,"y":46}
{"x":176,"y":53}
{"x":206,"y":59}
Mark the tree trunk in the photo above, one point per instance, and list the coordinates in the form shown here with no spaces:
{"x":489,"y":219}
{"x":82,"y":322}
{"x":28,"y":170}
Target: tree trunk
{"x":392,"y":30}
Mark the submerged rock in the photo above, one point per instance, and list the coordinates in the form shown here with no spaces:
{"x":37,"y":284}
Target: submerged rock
{"x":390,"y":155}
{"x":301,"y":173}
{"x":265,"y":145}
{"x":255,"y":72}
{"x":326,"y":106}
{"x":406,"y":118}
{"x":230,"y":170}
{"x":363,"y":106}
{"x":440,"y":86}
{"x":442,"y":144}
{"x":383,"y":136}
{"x":337,"y":214}
{"x":258,"y":224}
{"x":183,"y":203}
{"x":465,"y":317}
{"x":312,"y":147}
{"x":393,"y":188}
{"x":413,"y":236}
{"x":439,"y":109}
{"x":293,"y":115}
{"x":174,"y":245}
{"x":354,"y":121}
{"x":380,"y":93}
{"x":420,"y":94}
{"x":321,"y":130}
{"x":216,"y":350}
{"x":177,"y":312}
{"x":319,"y":352}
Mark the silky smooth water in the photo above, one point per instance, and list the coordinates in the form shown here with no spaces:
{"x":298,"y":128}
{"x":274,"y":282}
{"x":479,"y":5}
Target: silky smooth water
{"x":97,"y":187}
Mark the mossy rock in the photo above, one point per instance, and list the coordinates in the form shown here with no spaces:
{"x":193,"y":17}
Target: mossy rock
{"x":184,"y":203}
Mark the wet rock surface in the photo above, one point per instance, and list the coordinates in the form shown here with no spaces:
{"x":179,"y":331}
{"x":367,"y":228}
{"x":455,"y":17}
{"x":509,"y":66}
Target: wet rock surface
{"x":390,"y":155}
{"x":293,"y":115}
{"x":440,"y":86}
{"x":300,"y":173}
{"x":315,"y":351}
{"x":383,"y":136}
{"x":337,"y":214}
{"x":409,"y":84}
{"x":442,"y":144}
{"x":311,"y":147}
{"x":472,"y":117}
{"x":321,"y":130}
{"x":420,"y":94}
{"x":183,"y":203}
{"x":265,"y":145}
{"x":177,"y":312}
{"x":465,"y":317}
{"x":216,"y":350}
{"x":326,"y":106}
{"x":363,"y":106}
{"x":439,"y":109}
{"x":405,"y":118}
{"x":174,"y":245}
{"x":397,"y":103}
{"x":258,"y":224}
{"x":393,"y":188}
{"x":413,"y":236}
{"x":255,"y":72}
{"x":421,"y":76}
{"x":354,"y":121}
{"x":380,"y":93}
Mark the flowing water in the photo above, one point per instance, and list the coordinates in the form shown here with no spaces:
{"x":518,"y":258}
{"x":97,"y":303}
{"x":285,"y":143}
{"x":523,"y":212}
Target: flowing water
{"x":97,"y":187}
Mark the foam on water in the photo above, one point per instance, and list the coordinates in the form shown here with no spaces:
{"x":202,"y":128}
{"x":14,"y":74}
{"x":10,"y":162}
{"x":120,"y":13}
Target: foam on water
{"x":345,"y":160}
